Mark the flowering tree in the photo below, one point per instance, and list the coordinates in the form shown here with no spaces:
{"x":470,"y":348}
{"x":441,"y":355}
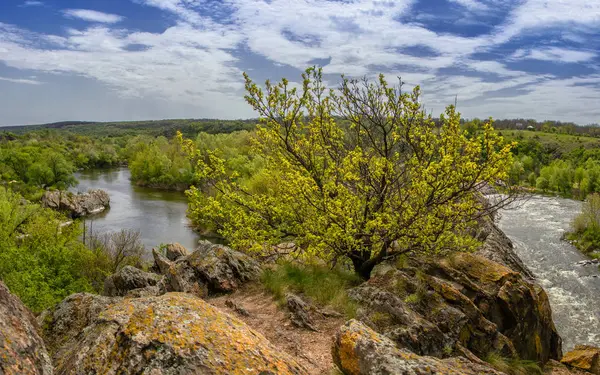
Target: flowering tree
{"x":359,"y":173}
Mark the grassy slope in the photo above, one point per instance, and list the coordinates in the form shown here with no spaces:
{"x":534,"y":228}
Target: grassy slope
{"x":564,"y":142}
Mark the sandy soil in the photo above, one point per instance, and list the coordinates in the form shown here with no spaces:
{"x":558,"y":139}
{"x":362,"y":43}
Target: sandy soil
{"x":311,"y":349}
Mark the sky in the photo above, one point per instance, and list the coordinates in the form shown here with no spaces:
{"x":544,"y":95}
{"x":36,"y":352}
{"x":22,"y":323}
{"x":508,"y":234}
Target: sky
{"x":118,"y":60}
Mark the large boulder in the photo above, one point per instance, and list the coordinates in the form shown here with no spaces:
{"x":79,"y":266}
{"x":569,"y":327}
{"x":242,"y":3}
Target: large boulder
{"x":583,"y":357}
{"x":556,"y":368}
{"x":128,"y":279}
{"x":22,"y":350}
{"x":175,"y":251}
{"x":64,"y":324}
{"x":210,"y":269}
{"x":358,"y":350}
{"x":77,"y":205}
{"x":171,"y":334}
{"x":461,"y":304}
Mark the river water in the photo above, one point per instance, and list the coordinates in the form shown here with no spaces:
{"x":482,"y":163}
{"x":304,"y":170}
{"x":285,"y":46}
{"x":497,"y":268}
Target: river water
{"x":159,"y":216}
{"x":535,"y":227}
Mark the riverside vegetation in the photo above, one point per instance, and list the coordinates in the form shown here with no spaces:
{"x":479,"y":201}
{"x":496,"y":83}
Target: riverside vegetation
{"x":356,"y":188}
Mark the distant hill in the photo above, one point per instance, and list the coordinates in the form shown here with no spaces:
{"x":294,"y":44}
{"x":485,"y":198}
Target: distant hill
{"x":167,"y":128}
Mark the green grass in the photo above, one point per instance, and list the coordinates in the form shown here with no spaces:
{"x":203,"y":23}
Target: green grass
{"x":564,"y":142}
{"x":323,"y":286}
{"x":512,"y":366}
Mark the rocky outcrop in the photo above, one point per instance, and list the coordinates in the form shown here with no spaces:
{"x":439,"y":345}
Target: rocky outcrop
{"x":171,"y":334}
{"x":461,"y":304}
{"x":556,"y":368}
{"x":175,"y":251}
{"x":77,"y":205}
{"x":210,"y":269}
{"x":22,"y":350}
{"x":358,"y":350}
{"x":499,"y":248}
{"x":128,"y":279}
{"x":583,"y":357}
{"x":63,"y":325}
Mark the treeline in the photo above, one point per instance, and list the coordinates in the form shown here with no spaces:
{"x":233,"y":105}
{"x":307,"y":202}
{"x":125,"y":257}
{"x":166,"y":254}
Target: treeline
{"x":162,"y":162}
{"x":48,"y":159}
{"x":166,"y":128}
{"x":592,"y":130}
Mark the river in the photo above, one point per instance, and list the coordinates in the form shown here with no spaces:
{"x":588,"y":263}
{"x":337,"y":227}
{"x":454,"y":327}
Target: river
{"x":159,"y":216}
{"x":535,"y":227}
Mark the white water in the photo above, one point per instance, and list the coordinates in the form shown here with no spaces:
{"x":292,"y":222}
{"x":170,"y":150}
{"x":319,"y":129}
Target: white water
{"x":536,"y":227}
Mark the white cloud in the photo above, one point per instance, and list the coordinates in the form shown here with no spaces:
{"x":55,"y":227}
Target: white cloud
{"x":21,"y":80}
{"x":572,"y":99}
{"x":32,"y":3}
{"x":472,"y":5}
{"x":554,"y":54}
{"x":539,"y":14}
{"x":195,"y":63}
{"x":92,"y":15}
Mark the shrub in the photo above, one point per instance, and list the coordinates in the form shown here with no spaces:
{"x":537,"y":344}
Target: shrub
{"x":324,"y":286}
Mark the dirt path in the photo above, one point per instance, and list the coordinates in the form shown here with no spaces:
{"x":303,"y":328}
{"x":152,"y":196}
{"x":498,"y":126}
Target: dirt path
{"x":311,"y":349}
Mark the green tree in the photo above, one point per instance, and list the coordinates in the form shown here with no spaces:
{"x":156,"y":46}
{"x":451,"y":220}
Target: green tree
{"x":42,"y":260}
{"x":542,"y":183}
{"x":360,"y":173}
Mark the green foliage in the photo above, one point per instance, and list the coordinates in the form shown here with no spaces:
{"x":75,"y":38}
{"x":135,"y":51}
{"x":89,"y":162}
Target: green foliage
{"x":569,"y":165}
{"x":42,"y":260}
{"x":586,"y":227}
{"x":324,"y":286}
{"x":347,"y":173}
{"x":47,"y":160}
{"x":119,"y":249}
{"x":513,"y":366}
{"x":159,"y":163}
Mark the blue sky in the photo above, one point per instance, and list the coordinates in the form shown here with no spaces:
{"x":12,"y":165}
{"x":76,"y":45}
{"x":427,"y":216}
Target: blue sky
{"x":107,"y":60}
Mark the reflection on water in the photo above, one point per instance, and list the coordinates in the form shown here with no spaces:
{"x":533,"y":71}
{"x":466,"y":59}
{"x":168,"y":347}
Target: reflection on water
{"x":159,"y":215}
{"x":536,"y":227}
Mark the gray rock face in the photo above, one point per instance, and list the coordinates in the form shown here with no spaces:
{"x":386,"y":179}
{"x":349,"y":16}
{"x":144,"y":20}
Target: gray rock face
{"x":460,"y":304}
{"x":300,"y":312}
{"x":63,"y":325}
{"x":358,"y":350}
{"x":22,"y":350}
{"x":176,"y":251}
{"x":171,"y":334}
{"x":77,"y":205}
{"x":128,"y":279}
{"x":210,"y":269}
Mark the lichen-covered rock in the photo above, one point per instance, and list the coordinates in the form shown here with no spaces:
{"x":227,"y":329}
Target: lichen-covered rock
{"x":175,"y":251}
{"x":358,"y":350}
{"x":463,"y":302}
{"x":556,"y":368}
{"x":65,"y":323}
{"x":210,"y":269}
{"x":77,"y":205}
{"x":583,"y":357}
{"x":171,"y":334}
{"x":127,"y":279}
{"x":22,"y":350}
